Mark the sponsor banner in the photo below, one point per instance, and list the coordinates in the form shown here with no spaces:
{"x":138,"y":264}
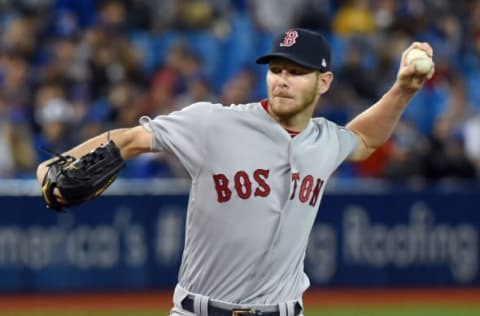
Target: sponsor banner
{"x":136,"y":242}
{"x":404,"y":239}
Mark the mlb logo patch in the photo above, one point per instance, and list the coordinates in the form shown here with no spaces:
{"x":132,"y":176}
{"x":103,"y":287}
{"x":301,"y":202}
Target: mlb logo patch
{"x":289,"y":39}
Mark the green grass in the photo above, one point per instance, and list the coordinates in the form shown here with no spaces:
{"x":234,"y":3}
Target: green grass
{"x":358,"y":311}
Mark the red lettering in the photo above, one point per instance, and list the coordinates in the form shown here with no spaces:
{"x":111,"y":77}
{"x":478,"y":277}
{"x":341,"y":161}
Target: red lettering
{"x":295,"y":178}
{"x":221,"y":185}
{"x":309,"y":188}
{"x":289,"y":39}
{"x":306,"y":188}
{"x":260,"y":175}
{"x":243,"y":185}
{"x":316,"y":192}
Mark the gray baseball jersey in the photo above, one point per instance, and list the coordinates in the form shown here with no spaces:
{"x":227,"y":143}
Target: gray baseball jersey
{"x":254,"y":197}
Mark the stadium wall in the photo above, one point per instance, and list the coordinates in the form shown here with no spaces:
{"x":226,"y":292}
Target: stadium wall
{"x":132,"y":239}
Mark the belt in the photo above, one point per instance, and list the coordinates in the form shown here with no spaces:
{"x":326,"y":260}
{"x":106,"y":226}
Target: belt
{"x":187,"y":304}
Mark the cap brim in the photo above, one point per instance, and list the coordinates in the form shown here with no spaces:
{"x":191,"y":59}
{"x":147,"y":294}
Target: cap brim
{"x":267,"y":58}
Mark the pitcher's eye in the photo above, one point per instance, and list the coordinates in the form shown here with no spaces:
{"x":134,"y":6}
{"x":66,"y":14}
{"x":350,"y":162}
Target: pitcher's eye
{"x":299,"y":72}
{"x":275,"y":70}
{"x":294,"y":71}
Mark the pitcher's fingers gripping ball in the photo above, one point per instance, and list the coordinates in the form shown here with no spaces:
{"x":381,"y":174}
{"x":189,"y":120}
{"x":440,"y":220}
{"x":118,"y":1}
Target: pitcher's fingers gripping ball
{"x":422,"y":63}
{"x":417,"y":66}
{"x":82,"y":179}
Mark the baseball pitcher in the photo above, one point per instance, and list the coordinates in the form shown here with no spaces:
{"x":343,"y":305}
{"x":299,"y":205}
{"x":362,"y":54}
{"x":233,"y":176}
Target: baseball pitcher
{"x":258,"y":174}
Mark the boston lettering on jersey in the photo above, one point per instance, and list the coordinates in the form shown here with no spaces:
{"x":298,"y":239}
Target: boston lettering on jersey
{"x":306,"y":189}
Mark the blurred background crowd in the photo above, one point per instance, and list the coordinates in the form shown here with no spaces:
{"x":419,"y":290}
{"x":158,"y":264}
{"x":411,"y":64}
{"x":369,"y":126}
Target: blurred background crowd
{"x":71,"y":69}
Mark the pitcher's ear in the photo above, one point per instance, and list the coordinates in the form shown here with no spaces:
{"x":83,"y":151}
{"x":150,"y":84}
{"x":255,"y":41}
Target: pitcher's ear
{"x":325,"y":80}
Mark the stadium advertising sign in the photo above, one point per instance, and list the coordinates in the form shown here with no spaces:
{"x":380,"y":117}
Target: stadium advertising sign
{"x":136,"y":242}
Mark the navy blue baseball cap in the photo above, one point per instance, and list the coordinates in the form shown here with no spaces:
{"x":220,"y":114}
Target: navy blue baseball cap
{"x":304,"y":47}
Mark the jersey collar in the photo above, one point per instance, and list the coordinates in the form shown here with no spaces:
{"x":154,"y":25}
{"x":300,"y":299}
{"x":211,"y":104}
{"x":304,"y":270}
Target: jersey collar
{"x":290,"y":132}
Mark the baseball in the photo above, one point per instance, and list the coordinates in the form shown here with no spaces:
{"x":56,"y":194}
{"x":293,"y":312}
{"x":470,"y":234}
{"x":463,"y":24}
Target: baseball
{"x":422,"y":62}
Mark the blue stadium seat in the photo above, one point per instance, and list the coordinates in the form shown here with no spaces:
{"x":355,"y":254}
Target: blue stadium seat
{"x":162,"y":43}
{"x":425,"y":108}
{"x":338,"y":45}
{"x":144,"y":43}
{"x":237,"y":51}
{"x":472,"y":79}
{"x":207,"y":47}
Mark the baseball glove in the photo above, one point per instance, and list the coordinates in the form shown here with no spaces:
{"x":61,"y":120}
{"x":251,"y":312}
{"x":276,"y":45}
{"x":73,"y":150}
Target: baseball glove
{"x":79,"y":180}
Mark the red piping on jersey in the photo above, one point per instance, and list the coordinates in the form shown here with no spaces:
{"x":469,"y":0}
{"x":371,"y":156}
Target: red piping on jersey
{"x":264,"y":104}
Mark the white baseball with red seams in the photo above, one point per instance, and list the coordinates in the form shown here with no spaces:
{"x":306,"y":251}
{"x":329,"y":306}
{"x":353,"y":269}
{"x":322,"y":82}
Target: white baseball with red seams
{"x":422,"y":62}
{"x":254,"y":197}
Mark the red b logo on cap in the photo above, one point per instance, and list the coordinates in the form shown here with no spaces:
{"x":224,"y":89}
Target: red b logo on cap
{"x":289,"y":39}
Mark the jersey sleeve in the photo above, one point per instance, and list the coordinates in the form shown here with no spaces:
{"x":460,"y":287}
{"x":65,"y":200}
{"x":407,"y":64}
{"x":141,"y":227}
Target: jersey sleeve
{"x":348,"y":141}
{"x":182,"y":133}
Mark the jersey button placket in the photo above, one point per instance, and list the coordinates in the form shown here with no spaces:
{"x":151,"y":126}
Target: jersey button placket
{"x":293,"y":168}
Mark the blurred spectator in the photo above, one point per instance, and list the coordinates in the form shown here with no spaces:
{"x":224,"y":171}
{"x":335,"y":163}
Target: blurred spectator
{"x":385,"y":13}
{"x":193,"y":15}
{"x":181,"y":69}
{"x":14,"y":82}
{"x":84,"y":11}
{"x":388,"y":52}
{"x":198,"y":89}
{"x":376,"y":165}
{"x":152,"y":14}
{"x":355,"y":75}
{"x":17,"y":157}
{"x":20,"y":34}
{"x":316,"y":15}
{"x":166,"y":82}
{"x":239,"y":89}
{"x":408,"y":147}
{"x":123,"y":102}
{"x":354,"y":17}
{"x":119,"y":108}
{"x":339,"y":107}
{"x":112,"y":16}
{"x":473,"y":26}
{"x":16,"y":140}
{"x":472,"y":141}
{"x":112,"y":57}
{"x":56,"y":118}
{"x":184,"y":15}
{"x":446,"y":157}
{"x":91,"y":65}
{"x":66,"y":64}
{"x":273,"y":16}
